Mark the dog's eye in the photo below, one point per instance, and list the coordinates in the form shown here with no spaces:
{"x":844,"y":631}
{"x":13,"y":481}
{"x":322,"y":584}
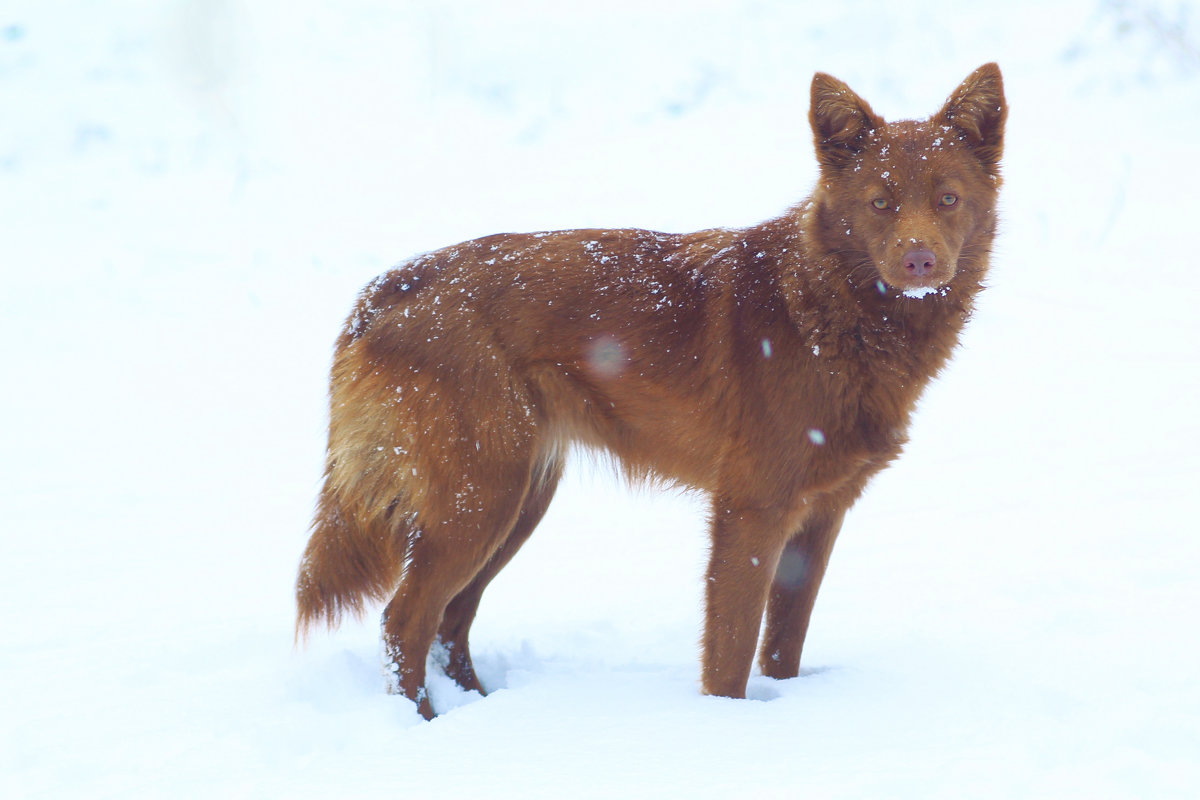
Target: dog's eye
{"x":880,"y":203}
{"x":949,"y":199}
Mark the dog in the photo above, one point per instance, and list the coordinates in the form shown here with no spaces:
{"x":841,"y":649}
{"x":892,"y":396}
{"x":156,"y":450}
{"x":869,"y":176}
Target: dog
{"x":773,"y":368}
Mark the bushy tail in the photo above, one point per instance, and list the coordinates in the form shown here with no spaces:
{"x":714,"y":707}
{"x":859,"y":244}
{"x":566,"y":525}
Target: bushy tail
{"x":347,"y":563}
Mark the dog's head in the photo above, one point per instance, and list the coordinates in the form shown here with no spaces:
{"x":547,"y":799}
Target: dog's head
{"x":912,"y":198}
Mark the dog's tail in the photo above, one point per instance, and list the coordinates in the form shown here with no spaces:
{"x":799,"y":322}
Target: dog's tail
{"x":350,"y":559}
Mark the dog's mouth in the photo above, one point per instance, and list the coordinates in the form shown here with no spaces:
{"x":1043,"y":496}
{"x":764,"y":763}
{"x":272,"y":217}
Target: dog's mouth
{"x":914,"y":291}
{"x":919,"y":292}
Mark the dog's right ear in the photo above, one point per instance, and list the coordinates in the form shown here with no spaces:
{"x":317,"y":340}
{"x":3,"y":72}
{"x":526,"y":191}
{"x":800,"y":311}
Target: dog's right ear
{"x":840,"y":120}
{"x":978,"y":110}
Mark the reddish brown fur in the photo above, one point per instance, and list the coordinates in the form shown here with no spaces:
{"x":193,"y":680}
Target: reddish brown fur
{"x":774,"y":368}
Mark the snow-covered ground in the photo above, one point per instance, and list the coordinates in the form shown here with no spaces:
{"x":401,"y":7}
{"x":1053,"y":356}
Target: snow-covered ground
{"x":191,"y":194}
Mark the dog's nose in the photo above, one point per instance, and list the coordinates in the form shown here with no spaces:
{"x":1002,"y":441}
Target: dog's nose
{"x":920,"y":262}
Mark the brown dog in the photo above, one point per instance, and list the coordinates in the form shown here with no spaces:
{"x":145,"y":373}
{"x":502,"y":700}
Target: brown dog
{"x":775,"y":368}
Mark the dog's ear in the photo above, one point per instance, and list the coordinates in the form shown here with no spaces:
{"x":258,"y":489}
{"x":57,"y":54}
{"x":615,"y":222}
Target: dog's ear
{"x":977,"y":109}
{"x":840,"y":120}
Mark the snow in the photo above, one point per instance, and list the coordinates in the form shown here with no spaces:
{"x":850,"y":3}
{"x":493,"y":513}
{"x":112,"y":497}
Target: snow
{"x":191,"y":197}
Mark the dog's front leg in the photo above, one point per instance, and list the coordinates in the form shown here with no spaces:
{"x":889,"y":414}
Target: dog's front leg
{"x":746,"y":546}
{"x":794,"y":591}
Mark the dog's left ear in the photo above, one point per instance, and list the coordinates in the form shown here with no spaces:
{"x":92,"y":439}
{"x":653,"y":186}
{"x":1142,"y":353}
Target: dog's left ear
{"x":977,"y":109}
{"x":840,"y":121}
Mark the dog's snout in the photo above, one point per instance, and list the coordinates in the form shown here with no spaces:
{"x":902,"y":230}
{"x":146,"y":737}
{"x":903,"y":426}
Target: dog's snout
{"x":919,"y":263}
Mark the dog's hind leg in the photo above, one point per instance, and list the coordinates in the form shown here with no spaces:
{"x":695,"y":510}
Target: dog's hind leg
{"x":794,"y":591}
{"x":445,"y":554}
{"x":460,"y":613}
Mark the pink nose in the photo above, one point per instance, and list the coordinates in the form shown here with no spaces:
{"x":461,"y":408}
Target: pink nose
{"x":920,"y":262}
